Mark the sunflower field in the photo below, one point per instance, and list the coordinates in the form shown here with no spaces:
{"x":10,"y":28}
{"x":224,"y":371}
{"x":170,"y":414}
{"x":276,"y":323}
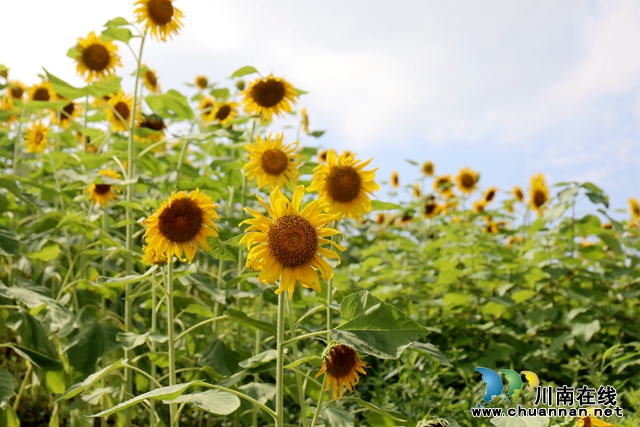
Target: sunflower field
{"x":192,"y":258}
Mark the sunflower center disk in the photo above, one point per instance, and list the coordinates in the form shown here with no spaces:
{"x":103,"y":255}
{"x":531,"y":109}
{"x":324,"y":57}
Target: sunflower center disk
{"x":344,"y":183}
{"x":180,"y":221}
{"x":68,"y":109}
{"x":268,"y":93}
{"x":223,"y":112}
{"x":539,"y":198}
{"x":123,"y":110}
{"x":96,"y":57}
{"x":151,"y":78}
{"x":292,"y":240}
{"x":16,"y":92}
{"x":274,"y":162}
{"x":102,"y":188}
{"x":490,"y":195}
{"x":41,"y":94}
{"x":429,"y":208}
{"x":467,"y":181}
{"x":160,"y":11}
{"x":341,"y":361}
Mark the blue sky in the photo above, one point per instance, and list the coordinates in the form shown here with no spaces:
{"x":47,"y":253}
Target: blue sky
{"x":508,"y":88}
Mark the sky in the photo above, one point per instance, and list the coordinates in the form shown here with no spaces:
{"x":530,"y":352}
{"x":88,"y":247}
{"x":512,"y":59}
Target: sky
{"x":508,"y":88}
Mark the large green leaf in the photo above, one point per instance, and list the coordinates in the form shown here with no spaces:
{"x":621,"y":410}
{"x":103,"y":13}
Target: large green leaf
{"x":78,"y":388}
{"x":241,"y":318}
{"x":375,"y":327}
{"x":65,"y":89}
{"x":45,"y":362}
{"x":432,"y":352}
{"x":87,"y":347}
{"x":167,"y":394}
{"x":171,"y":101}
{"x":336,"y":417}
{"x":377,"y":205}
{"x":7,"y":386}
{"x":8,"y":417}
{"x":9,"y":243}
{"x":214,"y":401}
{"x":243,"y":71}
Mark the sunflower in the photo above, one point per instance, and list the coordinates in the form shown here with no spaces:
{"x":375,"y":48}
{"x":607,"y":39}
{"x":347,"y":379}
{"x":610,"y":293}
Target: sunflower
{"x":322,"y":156}
{"x":152,"y":122}
{"x":342,"y":365}
{"x":467,"y":180}
{"x":271,"y":162}
{"x":202,"y":82}
{"x":150,"y":256}
{"x":96,"y":58}
{"x":428,"y":168}
{"x":150,"y":79}
{"x":305,"y":120}
{"x":443,"y":185}
{"x":207,"y":108}
{"x":417,"y":190}
{"x":591,"y":421}
{"x":479,"y":206}
{"x":4,"y":71}
{"x":395,"y":179}
{"x":634,"y":206}
{"x":104,"y":193}
{"x":517,"y":193}
{"x":160,"y":17}
{"x":16,"y":89}
{"x":224,"y":112}
{"x":431,"y":207}
{"x":6,"y":104}
{"x":490,"y":194}
{"x":43,"y":91}
{"x":380,"y":218}
{"x":66,"y":115}
{"x":181,"y":224}
{"x":345,"y":184}
{"x":123,"y":105}
{"x":539,"y":193}
{"x":35,"y":137}
{"x":267,"y":96}
{"x":288,"y":245}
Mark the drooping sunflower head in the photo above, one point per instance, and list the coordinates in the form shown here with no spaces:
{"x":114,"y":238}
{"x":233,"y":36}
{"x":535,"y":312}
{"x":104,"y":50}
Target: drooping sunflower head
{"x":467,"y":180}
{"x":428,"y":168}
{"x":151,"y":256}
{"x":16,"y":89}
{"x":443,"y":185}
{"x":342,"y":366}
{"x":518,"y":194}
{"x":150,"y":79}
{"x":35,"y":137}
{"x":160,"y":17}
{"x":181,"y":224}
{"x":120,"y":111}
{"x":65,"y":116}
{"x":103,"y":193}
{"x":345,"y":184}
{"x":268,"y":96}
{"x":154,"y":123}
{"x":395,"y":179}
{"x":305,"y":120}
{"x":634,"y":206}
{"x":42,"y":91}
{"x":202,"y":82}
{"x":288,"y":245}
{"x":479,"y":206}
{"x":490,"y":194}
{"x":224,"y":112}
{"x":271,"y":162}
{"x":96,"y":58}
{"x":539,"y":193}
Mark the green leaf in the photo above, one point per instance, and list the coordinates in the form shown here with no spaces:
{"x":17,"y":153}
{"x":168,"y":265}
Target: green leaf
{"x":522,"y":296}
{"x":47,"y":253}
{"x":221,"y":251}
{"x":45,"y":362}
{"x":377,"y":205}
{"x":585,"y":330}
{"x":9,"y":243}
{"x":126,"y":280}
{"x":65,"y":89}
{"x":611,"y":241}
{"x":307,"y":168}
{"x":168,"y":393}
{"x":114,"y":32}
{"x":219,"y":93}
{"x":317,"y":133}
{"x":200,"y":310}
{"x":110,"y":85}
{"x":247,"y":69}
{"x":220,"y":357}
{"x":241,"y":318}
{"x":432,"y":352}
{"x":215,"y":401}
{"x":336,"y":417}
{"x":171,"y":101}
{"x":395,"y":416}
{"x":303,"y":360}
{"x":7,"y":386}
{"x":375,"y":327}
{"x":259,"y":359}
{"x":259,"y":391}
{"x":131,"y":340}
{"x":8,"y":417}
{"x":87,"y":347}
{"x":554,"y":212}
{"x":455,"y":299}
{"x":78,"y":388}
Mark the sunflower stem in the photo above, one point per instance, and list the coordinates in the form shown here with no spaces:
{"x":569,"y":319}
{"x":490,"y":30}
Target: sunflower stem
{"x":154,"y":329}
{"x":329,"y":295}
{"x":103,"y":310}
{"x":280,"y":362}
{"x":172,"y":350}
{"x":128,"y":307}
{"x":301,"y":391}
{"x":320,"y":399}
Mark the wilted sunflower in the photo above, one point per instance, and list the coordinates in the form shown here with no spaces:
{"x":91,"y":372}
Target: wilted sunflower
{"x":539,"y":193}
{"x":322,"y":156}
{"x":152,"y":122}
{"x":207,"y":109}
{"x":490,"y":194}
{"x":467,"y":180}
{"x":305,"y":120}
{"x":123,"y":105}
{"x":634,"y":206}
{"x":96,"y":58}
{"x":345,"y":184}
{"x":342,"y":365}
{"x":288,"y":245}
{"x":150,"y":256}
{"x":224,"y":112}
{"x":150,"y":79}
{"x":42,"y":91}
{"x":35,"y":137}
{"x":267,"y":96}
{"x":479,"y":206}
{"x":591,"y":421}
{"x":443,"y":185}
{"x":271,"y":162}
{"x":160,"y":17}
{"x":202,"y":82}
{"x":16,"y":89}
{"x":518,"y":194}
{"x":104,"y":193}
{"x":181,"y":224}
{"x":428,"y":168}
{"x":66,"y":115}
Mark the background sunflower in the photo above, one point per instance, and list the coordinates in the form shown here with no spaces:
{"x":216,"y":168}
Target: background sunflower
{"x":268,"y":96}
{"x":271,"y":162}
{"x":96,"y":58}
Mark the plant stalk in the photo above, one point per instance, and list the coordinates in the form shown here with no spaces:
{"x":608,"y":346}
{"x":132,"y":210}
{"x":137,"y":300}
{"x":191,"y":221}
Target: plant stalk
{"x":280,"y":362}
{"x":172,"y":350}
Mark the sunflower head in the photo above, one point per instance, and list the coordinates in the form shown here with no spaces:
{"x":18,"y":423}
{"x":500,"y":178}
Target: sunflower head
{"x":96,"y":58}
{"x":305,"y":120}
{"x":181,"y":224}
{"x":68,"y":113}
{"x":467,"y":180}
{"x":288,"y":246}
{"x":322,"y":156}
{"x":431,"y":208}
{"x":202,"y":82}
{"x":268,"y":96}
{"x":42,"y":91}
{"x":120,"y":111}
{"x":6,"y":104}
{"x":443,"y":185}
{"x":518,"y":194}
{"x":479,"y":206}
{"x":539,"y":193}
{"x":417,"y":190}
{"x":345,"y":184}
{"x":490,"y":194}
{"x":160,"y":17}
{"x":634,"y":206}
{"x":271,"y":162}
{"x":224,"y":112}
{"x":342,"y":366}
{"x":151,"y":256}
{"x":428,"y":168}
{"x":207,"y":108}
{"x":152,"y":122}
{"x":103,"y":193}
{"x":16,"y":89}
{"x":380,"y":218}
{"x":150,"y":79}
{"x":395,"y":179}
{"x":35,"y":137}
